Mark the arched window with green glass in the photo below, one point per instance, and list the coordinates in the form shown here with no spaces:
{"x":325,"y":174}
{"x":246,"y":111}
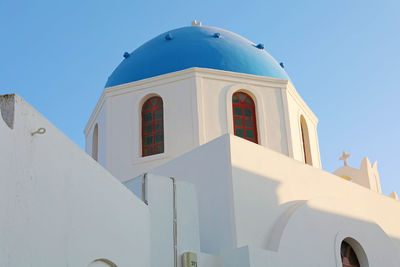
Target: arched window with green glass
{"x":244,"y":116}
{"x":152,"y":126}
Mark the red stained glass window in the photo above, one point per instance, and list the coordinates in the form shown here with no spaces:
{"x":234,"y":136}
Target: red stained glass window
{"x":244,"y":117}
{"x":152,"y":127}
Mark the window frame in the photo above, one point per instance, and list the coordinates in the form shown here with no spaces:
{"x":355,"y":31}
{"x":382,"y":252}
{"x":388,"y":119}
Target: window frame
{"x":236,"y":117}
{"x":153,"y":108}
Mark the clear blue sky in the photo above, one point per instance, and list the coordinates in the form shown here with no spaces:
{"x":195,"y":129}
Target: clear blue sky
{"x":342,"y":56}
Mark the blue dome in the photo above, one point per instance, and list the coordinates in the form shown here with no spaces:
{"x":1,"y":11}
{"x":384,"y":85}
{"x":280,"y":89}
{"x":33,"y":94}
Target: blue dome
{"x":195,"y":46}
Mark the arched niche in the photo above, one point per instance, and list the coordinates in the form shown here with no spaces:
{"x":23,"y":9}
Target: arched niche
{"x":305,"y":138}
{"x":102,"y":263}
{"x":95,"y":143}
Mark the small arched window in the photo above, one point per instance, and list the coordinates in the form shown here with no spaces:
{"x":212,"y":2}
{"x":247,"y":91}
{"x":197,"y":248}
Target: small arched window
{"x":305,"y":138}
{"x":152,"y":126}
{"x":102,"y":263}
{"x":244,"y":117}
{"x":95,"y":143}
{"x":349,"y":257}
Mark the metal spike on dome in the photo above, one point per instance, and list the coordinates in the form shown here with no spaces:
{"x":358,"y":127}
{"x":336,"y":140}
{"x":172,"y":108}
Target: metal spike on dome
{"x":126,"y":55}
{"x":168,"y":37}
{"x":282,"y":65}
{"x":217,"y":35}
{"x":260,"y":46}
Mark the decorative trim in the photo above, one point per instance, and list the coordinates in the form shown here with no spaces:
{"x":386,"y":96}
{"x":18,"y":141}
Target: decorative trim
{"x":177,"y":76}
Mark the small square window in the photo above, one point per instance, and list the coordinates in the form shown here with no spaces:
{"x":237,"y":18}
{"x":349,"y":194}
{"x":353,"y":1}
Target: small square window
{"x":146,"y":106}
{"x":159,"y":126}
{"x":148,"y":116}
{"x":248,"y":112}
{"x":237,"y":111}
{"x":248,"y":123}
{"x":158,"y":114}
{"x":148,"y":140}
{"x":159,"y":138}
{"x":239,"y":132}
{"x":238,"y":121}
{"x":147,"y":151}
{"x":250,"y":134}
{"x":148,"y":128}
{"x":160,"y":149}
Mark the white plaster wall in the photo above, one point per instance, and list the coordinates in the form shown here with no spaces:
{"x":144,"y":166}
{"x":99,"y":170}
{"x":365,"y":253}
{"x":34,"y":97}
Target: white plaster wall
{"x":263,"y":189}
{"x":276,"y":183}
{"x":197,"y":109}
{"x":160,"y":199}
{"x":58,"y":207}
{"x":103,"y":149}
{"x":209,"y":170}
{"x":208,"y":260}
{"x":321,"y":224}
{"x":180,"y":131}
{"x":159,"y":194}
{"x":215,"y":104}
{"x":187,"y":219}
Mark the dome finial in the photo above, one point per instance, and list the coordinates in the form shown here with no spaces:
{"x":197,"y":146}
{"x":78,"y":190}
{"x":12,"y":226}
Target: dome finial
{"x":195,"y":23}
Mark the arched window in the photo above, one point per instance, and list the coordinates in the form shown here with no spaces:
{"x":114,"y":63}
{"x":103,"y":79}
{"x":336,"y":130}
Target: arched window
{"x":244,"y":117}
{"x":349,"y":257}
{"x":305,"y":138}
{"x":102,"y":263}
{"x":152,"y":127}
{"x":95,"y":143}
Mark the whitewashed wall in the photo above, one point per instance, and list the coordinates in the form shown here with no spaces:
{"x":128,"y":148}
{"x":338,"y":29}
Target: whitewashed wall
{"x":296,"y":108}
{"x":162,"y":199}
{"x":58,"y":207}
{"x":103,"y":134}
{"x":251,"y":196}
{"x":197,"y":109}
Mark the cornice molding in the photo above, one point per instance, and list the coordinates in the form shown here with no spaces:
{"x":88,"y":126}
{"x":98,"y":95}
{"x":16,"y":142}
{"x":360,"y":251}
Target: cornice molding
{"x":194,"y":72}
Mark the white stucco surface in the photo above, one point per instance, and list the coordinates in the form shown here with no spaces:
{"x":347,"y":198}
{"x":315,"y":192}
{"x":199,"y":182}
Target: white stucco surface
{"x":197,"y":109}
{"x":159,"y":194}
{"x":251,"y":196}
{"x":232,"y":202}
{"x":210,"y":199}
{"x":58,"y":207}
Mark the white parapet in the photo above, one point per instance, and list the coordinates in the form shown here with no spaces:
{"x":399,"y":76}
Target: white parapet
{"x":173,"y":216}
{"x":59,"y":207}
{"x":367,"y":175}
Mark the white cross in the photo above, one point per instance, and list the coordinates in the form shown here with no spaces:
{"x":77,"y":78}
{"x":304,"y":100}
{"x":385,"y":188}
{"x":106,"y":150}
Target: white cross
{"x":195,"y":23}
{"x":344,"y":157}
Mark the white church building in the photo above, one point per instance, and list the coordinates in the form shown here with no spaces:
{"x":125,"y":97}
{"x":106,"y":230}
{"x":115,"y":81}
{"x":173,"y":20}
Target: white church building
{"x":199,"y":152}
